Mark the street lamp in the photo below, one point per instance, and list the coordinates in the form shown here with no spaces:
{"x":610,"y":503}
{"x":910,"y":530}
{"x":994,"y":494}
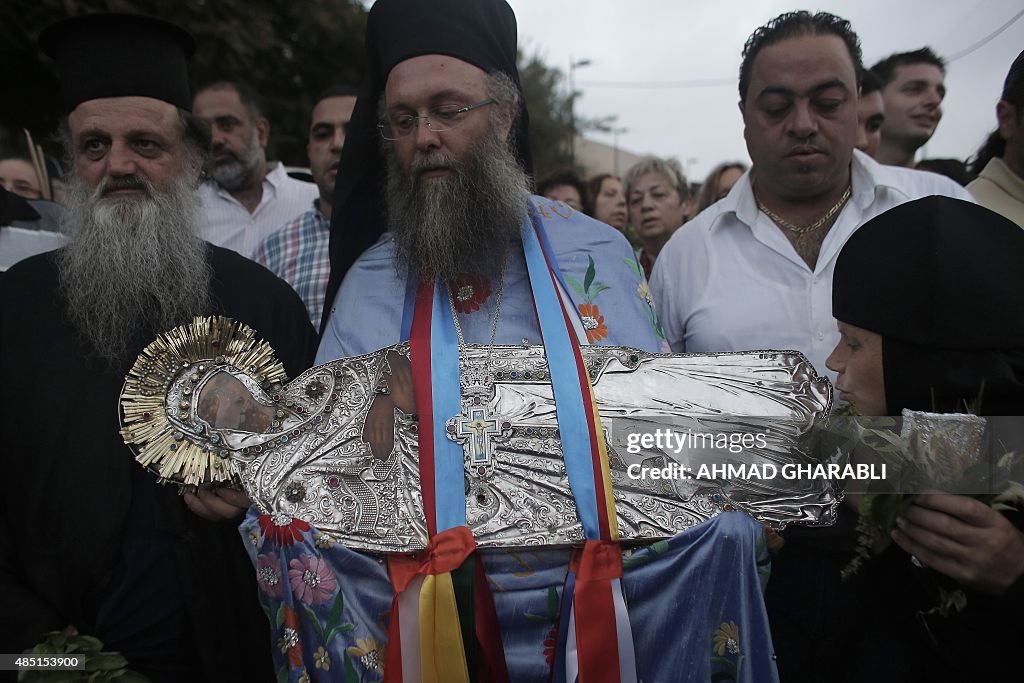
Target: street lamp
{"x":573,"y":65}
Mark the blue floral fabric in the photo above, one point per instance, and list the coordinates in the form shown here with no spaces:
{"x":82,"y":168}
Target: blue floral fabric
{"x":601,"y":273}
{"x":695,"y":604}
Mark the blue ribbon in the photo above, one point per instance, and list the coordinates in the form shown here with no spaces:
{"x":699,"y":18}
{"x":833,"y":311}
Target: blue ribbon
{"x":565,"y":380}
{"x":449,"y":467}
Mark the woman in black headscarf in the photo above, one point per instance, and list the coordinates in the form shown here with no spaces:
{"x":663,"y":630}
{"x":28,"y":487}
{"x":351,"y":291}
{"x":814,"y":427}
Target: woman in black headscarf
{"x":929,"y":298}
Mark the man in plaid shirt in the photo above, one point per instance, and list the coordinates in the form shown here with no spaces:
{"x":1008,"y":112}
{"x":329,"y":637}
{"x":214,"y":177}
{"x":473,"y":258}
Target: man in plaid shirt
{"x":298,"y":252}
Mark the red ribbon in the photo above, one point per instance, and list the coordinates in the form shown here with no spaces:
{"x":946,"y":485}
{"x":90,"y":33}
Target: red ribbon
{"x":596,"y":565}
{"x":445,"y":552}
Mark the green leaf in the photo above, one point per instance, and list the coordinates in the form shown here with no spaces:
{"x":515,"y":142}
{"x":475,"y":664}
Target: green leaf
{"x":351,"y":676}
{"x":314,"y":620}
{"x":283,"y":674}
{"x":576,"y":286}
{"x":335,"y":614}
{"x":635,"y":561}
{"x":87,"y":643}
{"x":536,"y":618}
{"x":598,"y":289}
{"x":341,"y":628}
{"x":107,"y":661}
{"x":591,"y":272}
{"x":634,"y":266}
{"x":279,"y":620}
{"x":553,"y":602}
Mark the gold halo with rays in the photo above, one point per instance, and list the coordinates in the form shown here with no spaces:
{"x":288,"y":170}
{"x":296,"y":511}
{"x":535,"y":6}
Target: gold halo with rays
{"x":175,"y":454}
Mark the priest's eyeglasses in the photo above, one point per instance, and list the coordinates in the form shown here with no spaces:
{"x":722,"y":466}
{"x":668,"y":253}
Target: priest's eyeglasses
{"x":443,"y":117}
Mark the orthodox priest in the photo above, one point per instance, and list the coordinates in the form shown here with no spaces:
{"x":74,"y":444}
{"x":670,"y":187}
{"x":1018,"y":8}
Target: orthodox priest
{"x":89,"y":542}
{"x":437,"y":240}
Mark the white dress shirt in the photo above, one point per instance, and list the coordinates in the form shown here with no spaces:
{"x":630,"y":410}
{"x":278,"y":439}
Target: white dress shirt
{"x":225,"y":222}
{"x":730,"y":280}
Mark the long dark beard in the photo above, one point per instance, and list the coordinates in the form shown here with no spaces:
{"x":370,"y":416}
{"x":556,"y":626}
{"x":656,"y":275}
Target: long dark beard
{"x":463,"y":224}
{"x":132,"y":264}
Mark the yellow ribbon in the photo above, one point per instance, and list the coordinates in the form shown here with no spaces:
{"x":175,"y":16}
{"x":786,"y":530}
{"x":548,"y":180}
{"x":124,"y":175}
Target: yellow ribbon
{"x":442,"y":652}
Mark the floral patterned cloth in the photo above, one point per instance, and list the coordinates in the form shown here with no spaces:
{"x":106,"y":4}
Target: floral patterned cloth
{"x":330,"y":607}
{"x":694,"y":601}
{"x":601,"y":272}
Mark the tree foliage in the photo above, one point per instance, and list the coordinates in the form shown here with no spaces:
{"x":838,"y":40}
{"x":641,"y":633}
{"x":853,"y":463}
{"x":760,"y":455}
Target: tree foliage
{"x":551,"y":124}
{"x":286,"y":51}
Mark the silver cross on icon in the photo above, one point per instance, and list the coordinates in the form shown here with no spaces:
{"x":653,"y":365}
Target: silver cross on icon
{"x":478,"y":431}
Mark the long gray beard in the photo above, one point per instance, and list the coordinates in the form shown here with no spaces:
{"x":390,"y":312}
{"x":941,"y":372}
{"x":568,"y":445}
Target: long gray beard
{"x":463,"y":224}
{"x":132,"y":265}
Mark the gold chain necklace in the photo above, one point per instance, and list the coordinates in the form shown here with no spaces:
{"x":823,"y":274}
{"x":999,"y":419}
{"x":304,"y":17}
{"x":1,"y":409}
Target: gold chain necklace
{"x":804,"y":229}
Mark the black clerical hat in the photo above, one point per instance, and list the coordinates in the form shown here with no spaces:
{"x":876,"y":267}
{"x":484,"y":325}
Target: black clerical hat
{"x":119,"y":55}
{"x":480,"y":32}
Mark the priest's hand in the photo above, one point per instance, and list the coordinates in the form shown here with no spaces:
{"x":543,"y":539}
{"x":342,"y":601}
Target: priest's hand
{"x":964,"y":539}
{"x":217,"y":504}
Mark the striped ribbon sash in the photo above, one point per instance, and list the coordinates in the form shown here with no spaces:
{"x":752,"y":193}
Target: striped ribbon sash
{"x":443,"y":624}
{"x":595,"y":639}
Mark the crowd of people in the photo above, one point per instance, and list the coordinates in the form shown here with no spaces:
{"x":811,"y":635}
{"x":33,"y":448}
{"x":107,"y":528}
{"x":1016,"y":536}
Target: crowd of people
{"x":423,"y":223}
{"x":898,"y":110}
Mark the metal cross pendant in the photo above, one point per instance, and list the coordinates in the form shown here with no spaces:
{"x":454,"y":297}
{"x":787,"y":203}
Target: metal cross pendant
{"x":479,"y":431}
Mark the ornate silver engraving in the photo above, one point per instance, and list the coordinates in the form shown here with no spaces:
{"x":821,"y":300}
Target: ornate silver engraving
{"x":343,"y":452}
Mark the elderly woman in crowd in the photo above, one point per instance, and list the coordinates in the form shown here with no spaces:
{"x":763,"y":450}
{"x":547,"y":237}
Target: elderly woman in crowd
{"x":608,"y":200}
{"x":718,"y":183}
{"x":659,"y":202}
{"x":929,"y":298}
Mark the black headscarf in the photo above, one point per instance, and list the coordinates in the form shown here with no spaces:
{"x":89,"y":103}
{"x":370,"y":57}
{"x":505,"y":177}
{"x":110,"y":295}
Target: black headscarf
{"x":942,"y":280}
{"x":119,"y":55}
{"x":480,"y":32}
{"x":15,"y":208}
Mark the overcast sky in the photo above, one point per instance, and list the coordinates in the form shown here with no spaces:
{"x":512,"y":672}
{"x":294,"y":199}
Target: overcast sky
{"x":643,"y":41}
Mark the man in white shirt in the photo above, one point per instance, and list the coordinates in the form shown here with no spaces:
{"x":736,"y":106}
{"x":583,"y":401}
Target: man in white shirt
{"x":246,"y":199}
{"x":754,"y":270}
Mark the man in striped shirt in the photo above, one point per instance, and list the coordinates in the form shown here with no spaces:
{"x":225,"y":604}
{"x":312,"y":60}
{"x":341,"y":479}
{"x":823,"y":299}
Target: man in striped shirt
{"x":246,"y":198}
{"x":298,"y":252}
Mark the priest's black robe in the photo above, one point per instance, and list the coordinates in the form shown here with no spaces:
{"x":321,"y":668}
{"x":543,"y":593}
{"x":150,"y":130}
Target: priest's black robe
{"x":87,"y":538}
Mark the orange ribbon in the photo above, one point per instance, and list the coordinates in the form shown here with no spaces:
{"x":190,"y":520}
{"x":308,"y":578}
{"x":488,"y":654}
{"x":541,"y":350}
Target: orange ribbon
{"x":442,"y":652}
{"x":445,"y":552}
